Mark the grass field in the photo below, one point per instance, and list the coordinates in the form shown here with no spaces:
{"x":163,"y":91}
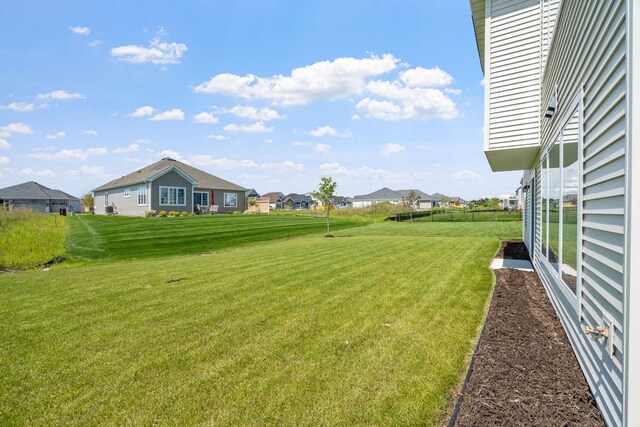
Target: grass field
{"x":373,"y":327}
{"x":28,"y":239}
{"x":102,"y":238}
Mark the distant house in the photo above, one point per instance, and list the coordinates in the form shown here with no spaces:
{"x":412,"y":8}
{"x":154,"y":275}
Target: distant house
{"x":276,"y":199}
{"x":341,"y":202}
{"x":424,"y":201}
{"x":457,"y":202}
{"x":168,"y":185}
{"x":37,"y":197}
{"x":251,"y":192}
{"x":383,"y":195}
{"x":436,"y":200}
{"x":297,"y":201}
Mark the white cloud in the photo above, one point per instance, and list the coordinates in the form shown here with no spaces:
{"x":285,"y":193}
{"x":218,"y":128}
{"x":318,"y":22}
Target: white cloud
{"x":423,"y":176}
{"x":269,"y":141}
{"x":222,"y":163}
{"x":426,"y":77}
{"x":406,"y":103}
{"x":4,"y":160}
{"x":257,"y":127}
{"x":322,"y":131}
{"x":83,"y":31}
{"x":28,"y":172}
{"x":57,"y":135}
{"x":392,"y":148}
{"x":4,"y":145}
{"x":175,"y":114}
{"x":333,"y":169}
{"x":128,"y":149}
{"x":453,"y":91}
{"x":252,"y":113}
{"x":95,"y":43}
{"x":218,"y":137}
{"x":287,"y":165}
{"x":15,"y":128}
{"x":147,"y":110}
{"x":70,"y":154}
{"x":205,"y":117}
{"x":61,"y":95}
{"x":168,"y":153}
{"x":301,"y":144}
{"x":23,"y":107}
{"x":142,"y":141}
{"x":157,"y":52}
{"x":355,"y":117}
{"x":90,"y":132}
{"x":335,"y":79}
{"x":322,"y":148}
{"x":86,"y":170}
{"x":366,"y":172}
{"x":466,"y":175}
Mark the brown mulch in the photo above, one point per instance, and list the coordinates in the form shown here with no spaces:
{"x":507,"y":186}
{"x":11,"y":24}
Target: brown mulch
{"x":525,"y":372}
{"x":513,"y":249}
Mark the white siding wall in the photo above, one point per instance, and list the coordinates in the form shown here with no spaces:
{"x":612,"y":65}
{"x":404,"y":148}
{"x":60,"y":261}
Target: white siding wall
{"x":549,"y":13}
{"x":513,"y":74}
{"x":589,"y":52}
{"x":122,"y":205}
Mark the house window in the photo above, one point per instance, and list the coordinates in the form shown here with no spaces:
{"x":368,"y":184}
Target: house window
{"x":106,"y":199}
{"x":142,"y":196}
{"x":127,"y":192}
{"x":559,"y":181}
{"x":172,"y":196}
{"x":201,"y":198}
{"x":230,"y":200}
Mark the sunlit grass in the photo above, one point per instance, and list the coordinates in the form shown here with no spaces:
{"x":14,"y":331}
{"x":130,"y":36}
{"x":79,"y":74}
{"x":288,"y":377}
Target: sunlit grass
{"x":29,"y":239}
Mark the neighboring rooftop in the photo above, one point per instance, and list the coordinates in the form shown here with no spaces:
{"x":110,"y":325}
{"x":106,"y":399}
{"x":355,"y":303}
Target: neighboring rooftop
{"x":204,"y":179}
{"x":381,"y":194}
{"x":33,"y":191}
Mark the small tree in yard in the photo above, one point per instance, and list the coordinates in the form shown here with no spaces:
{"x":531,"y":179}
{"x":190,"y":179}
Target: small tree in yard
{"x":87,"y":201}
{"x":253,"y":203}
{"x":326,"y":192}
{"x":410,"y":201}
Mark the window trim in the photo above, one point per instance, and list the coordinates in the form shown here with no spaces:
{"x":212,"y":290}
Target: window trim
{"x":142,"y":194}
{"x":127,"y":192}
{"x":224,"y":200}
{"x":106,"y":199}
{"x":169,"y":188}
{"x":202,"y":192}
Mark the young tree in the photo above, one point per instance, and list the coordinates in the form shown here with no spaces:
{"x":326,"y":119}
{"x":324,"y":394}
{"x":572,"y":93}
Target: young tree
{"x":87,"y":201}
{"x":410,"y":201}
{"x":326,"y":192}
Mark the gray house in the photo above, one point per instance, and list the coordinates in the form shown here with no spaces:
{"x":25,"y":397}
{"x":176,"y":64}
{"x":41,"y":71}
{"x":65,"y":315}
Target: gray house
{"x":276,"y":199}
{"x":168,"y":185}
{"x":383,"y":195}
{"x":424,"y":201}
{"x":297,"y":201}
{"x":562,"y":103}
{"x":37,"y":197}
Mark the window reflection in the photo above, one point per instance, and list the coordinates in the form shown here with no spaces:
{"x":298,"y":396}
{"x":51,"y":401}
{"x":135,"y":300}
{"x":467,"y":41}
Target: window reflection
{"x":570,"y":169}
{"x":544,"y":189}
{"x":553,"y":201}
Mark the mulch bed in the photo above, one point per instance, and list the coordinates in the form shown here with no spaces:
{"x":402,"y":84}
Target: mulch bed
{"x":513,"y":249}
{"x":525,"y":372}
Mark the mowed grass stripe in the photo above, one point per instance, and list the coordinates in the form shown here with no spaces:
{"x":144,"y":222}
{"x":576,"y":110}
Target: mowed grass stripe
{"x":252,"y":335}
{"x":99,"y":238}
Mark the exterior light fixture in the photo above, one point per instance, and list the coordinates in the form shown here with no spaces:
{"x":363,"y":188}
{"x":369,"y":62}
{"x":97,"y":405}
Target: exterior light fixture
{"x":551,"y":108}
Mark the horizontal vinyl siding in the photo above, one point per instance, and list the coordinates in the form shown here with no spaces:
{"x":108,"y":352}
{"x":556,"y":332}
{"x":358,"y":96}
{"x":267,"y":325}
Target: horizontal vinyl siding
{"x":514,"y":74}
{"x":589,"y":51}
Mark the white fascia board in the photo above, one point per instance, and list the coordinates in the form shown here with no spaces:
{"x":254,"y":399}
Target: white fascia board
{"x":631,"y":369}
{"x":177,"y":170}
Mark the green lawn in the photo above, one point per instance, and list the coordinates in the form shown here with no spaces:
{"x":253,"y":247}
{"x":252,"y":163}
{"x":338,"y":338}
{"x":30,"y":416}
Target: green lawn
{"x":29,"y":239}
{"x":373,"y":327}
{"x":108,"y":238}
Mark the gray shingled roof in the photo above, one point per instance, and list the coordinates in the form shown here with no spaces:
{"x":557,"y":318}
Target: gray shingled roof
{"x":33,"y":191}
{"x":274,"y":196}
{"x":421,"y":194}
{"x":204,"y":179}
{"x":381,"y":194}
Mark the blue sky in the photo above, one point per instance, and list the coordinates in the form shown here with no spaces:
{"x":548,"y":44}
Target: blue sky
{"x":270,"y":95}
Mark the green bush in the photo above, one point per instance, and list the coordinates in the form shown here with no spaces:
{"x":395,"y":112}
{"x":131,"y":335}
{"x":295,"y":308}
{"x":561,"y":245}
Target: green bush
{"x":150,"y":213}
{"x":173,"y":213}
{"x":237,"y":212}
{"x":185,"y":213}
{"x":162,"y":214}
